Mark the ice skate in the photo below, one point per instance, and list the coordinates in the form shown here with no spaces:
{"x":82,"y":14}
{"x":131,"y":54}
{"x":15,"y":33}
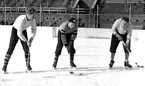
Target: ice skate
{"x":29,"y":69}
{"x":111,"y":64}
{"x":55,"y":62}
{"x":72,"y":64}
{"x":4,"y":69}
{"x":54,"y":67}
{"x":4,"y":72}
{"x":127,"y":65}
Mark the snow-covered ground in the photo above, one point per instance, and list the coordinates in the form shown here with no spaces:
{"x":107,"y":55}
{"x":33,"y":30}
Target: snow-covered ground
{"x":92,"y":58}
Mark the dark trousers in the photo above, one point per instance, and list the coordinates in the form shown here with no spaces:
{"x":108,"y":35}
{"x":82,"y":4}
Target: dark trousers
{"x":60,"y":45}
{"x":115,"y":42}
{"x":13,"y":41}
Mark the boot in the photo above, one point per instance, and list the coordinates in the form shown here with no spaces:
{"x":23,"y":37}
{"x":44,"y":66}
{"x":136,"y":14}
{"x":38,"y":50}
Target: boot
{"x":111,"y":63}
{"x":72,"y":64}
{"x":55,"y":62}
{"x":127,"y":65}
{"x":28,"y":66}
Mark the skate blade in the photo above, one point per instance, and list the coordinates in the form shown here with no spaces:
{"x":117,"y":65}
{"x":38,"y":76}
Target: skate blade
{"x":54,"y":68}
{"x":73,"y":68}
{"x":128,"y":67}
{"x":110,"y":67}
{"x":28,"y":71}
{"x":4,"y":72}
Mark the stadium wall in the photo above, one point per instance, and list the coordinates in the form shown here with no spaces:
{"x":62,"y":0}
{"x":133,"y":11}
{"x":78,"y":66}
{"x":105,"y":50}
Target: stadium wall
{"x":86,"y":20}
{"x":48,"y":19}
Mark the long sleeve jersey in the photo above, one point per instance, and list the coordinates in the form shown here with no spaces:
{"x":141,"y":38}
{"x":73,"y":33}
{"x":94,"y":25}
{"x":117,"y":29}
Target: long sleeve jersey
{"x":22,"y":23}
{"x":65,"y":29}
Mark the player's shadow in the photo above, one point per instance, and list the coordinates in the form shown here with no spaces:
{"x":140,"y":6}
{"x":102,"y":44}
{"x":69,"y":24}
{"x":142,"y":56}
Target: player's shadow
{"x":6,"y":80}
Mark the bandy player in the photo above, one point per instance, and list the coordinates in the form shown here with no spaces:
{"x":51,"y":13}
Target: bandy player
{"x":66,"y":36}
{"x":19,"y":32}
{"x":121,"y":31}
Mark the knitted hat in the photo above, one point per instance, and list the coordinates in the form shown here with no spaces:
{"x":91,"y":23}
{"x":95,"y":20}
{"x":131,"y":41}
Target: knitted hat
{"x":73,"y":20}
{"x":30,"y":10}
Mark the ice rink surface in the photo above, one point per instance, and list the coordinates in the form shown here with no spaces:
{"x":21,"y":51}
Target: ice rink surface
{"x":92,"y":59}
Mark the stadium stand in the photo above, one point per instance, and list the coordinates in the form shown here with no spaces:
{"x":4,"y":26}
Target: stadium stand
{"x":45,"y":3}
{"x":56,"y":11}
{"x":19,"y":3}
{"x":8,"y":3}
{"x":123,"y":1}
{"x":36,"y":3}
{"x":58,"y":3}
{"x":109,"y":8}
{"x":90,"y":3}
{"x":29,"y":2}
{"x":83,"y":4}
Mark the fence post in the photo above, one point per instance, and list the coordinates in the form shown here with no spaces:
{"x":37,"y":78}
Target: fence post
{"x":40,"y":15}
{"x":5,"y":15}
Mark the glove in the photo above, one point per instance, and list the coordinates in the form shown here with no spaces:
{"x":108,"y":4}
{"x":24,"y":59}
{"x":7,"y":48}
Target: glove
{"x":127,"y":45}
{"x":30,"y":42}
{"x":70,"y":42}
{"x":118,"y":36}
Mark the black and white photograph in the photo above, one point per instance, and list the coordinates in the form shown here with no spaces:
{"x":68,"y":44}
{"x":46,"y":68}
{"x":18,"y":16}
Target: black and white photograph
{"x":72,"y":42}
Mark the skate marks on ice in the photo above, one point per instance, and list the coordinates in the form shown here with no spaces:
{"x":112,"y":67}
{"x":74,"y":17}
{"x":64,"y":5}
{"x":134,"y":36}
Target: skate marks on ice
{"x":66,"y":72}
{"x":51,"y":74}
{"x":24,"y":72}
{"x":86,"y":71}
{"x":80,"y":70}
